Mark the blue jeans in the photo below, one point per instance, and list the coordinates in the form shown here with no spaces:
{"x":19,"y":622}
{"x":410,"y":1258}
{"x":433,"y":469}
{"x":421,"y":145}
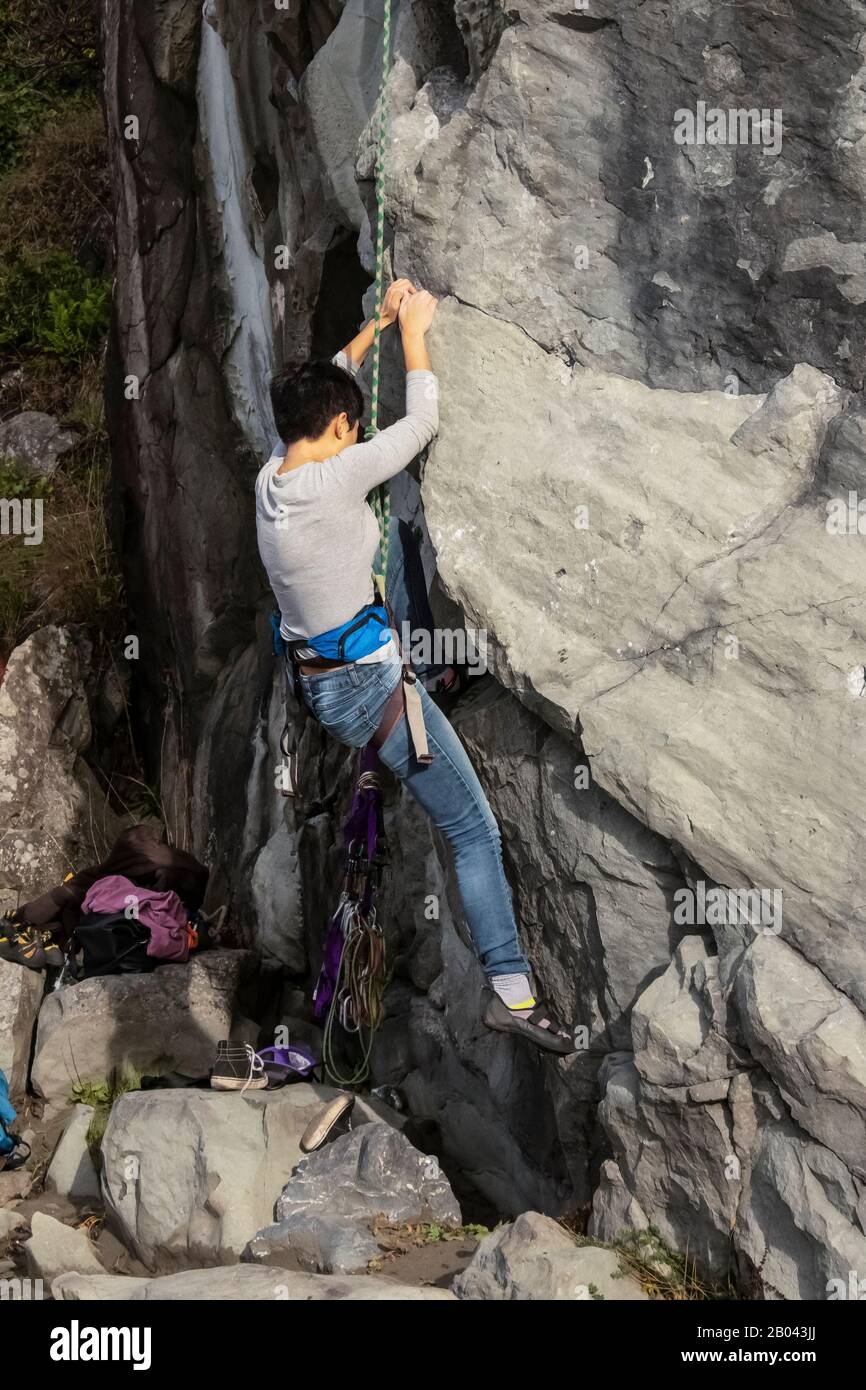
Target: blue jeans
{"x":349,"y":704}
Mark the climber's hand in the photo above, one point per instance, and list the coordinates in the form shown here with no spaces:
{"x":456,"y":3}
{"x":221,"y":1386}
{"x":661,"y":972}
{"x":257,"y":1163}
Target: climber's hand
{"x":416,"y":313}
{"x":394,"y":296}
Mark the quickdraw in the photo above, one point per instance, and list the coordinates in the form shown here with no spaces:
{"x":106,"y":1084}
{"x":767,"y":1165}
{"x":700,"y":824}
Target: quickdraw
{"x":351,"y":986}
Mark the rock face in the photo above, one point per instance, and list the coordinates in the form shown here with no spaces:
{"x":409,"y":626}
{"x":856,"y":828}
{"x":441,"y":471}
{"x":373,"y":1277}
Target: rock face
{"x":650,"y":347}
{"x":190,"y":1176}
{"x":53,"y":814}
{"x":169,"y":1020}
{"x":71,"y":1172}
{"x":20,"y":996}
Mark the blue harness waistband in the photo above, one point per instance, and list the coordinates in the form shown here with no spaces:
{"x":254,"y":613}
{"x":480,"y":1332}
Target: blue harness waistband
{"x":366,"y":632}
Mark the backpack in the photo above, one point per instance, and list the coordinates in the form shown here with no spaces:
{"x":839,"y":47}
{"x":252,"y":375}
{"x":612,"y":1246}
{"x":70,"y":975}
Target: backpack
{"x":113,"y":944}
{"x":9,"y":1142}
{"x":124,"y":929}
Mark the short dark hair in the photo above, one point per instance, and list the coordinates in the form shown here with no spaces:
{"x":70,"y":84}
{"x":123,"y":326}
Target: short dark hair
{"x":306,"y":397}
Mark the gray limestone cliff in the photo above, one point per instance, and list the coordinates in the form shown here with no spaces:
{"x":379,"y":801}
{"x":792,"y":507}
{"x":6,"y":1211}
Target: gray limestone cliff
{"x":650,"y":355}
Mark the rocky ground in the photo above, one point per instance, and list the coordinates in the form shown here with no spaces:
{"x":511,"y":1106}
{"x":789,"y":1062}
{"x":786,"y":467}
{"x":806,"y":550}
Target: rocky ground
{"x":188,"y":1193}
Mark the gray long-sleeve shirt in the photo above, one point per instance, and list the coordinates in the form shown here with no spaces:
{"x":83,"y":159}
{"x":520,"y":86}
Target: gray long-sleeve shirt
{"x":317,"y":535}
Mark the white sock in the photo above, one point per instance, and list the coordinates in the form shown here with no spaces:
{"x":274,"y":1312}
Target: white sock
{"x":515,"y":991}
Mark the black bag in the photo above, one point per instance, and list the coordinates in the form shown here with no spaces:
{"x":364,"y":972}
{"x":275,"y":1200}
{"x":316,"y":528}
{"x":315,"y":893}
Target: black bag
{"x":113,"y":944}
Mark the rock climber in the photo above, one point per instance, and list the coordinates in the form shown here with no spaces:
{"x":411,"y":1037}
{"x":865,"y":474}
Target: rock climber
{"x":318,"y":538}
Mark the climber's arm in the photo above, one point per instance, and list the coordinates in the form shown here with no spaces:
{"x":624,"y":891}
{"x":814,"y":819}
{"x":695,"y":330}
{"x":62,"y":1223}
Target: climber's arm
{"x":362,"y":467}
{"x":355,"y":351}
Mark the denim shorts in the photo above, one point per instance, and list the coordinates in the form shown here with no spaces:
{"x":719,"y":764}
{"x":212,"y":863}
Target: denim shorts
{"x":349,"y":703}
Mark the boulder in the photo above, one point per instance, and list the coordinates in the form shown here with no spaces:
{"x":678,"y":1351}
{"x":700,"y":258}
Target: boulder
{"x":94,"y":1288}
{"x":168,"y":1020}
{"x":314,"y":1241}
{"x":535,"y":1258}
{"x":372,"y":1171}
{"x":55,"y":1249}
{"x":14,"y":1185}
{"x":21,"y":993}
{"x":243,"y":1283}
{"x":338,"y":93}
{"x":34,"y":443}
{"x":10,"y":1222}
{"x":190,"y":1176}
{"x":255,"y":1282}
{"x":53,"y":813}
{"x":326,"y":1213}
{"x":71,"y":1172}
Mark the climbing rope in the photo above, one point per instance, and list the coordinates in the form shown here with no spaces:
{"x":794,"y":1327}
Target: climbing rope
{"x":357,"y":1004}
{"x":380,"y":499}
{"x":354,"y":974}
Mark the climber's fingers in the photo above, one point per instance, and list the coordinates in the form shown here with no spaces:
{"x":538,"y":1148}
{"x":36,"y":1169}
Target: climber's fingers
{"x":394,"y":296}
{"x":417,"y":310}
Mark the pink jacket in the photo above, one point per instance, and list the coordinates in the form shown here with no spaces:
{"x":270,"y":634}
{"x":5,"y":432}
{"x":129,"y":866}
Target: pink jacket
{"x":163,"y":914}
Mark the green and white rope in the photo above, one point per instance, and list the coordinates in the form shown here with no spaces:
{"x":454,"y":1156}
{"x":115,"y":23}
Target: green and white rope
{"x":380,"y":499}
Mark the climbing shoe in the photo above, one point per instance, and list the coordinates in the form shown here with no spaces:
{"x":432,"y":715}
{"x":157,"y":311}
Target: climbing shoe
{"x":54,"y":957}
{"x":238,"y":1067}
{"x":446,"y":687}
{"x":330,"y":1123}
{"x":22,"y":946}
{"x":538,"y":1025}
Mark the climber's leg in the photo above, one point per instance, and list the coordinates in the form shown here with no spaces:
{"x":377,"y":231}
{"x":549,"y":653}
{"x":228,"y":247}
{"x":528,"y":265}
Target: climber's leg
{"x":451,"y":794}
{"x":349,"y":703}
{"x":449,"y":790}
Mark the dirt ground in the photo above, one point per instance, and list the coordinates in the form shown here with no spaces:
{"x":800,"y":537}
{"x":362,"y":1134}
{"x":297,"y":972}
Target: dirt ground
{"x":435,"y":1264}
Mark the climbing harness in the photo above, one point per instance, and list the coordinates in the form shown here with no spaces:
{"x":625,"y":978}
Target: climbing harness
{"x":380,"y":499}
{"x":352,"y":980}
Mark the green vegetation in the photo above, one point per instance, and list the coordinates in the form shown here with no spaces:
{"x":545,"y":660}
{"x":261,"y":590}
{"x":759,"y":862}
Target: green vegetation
{"x":661,"y":1272}
{"x":101,"y":1095}
{"x":55,"y":293}
{"x":73,"y":575}
{"x":49,"y":303}
{"x":398,"y":1238}
{"x":49,"y":57}
{"x":14,"y":483}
